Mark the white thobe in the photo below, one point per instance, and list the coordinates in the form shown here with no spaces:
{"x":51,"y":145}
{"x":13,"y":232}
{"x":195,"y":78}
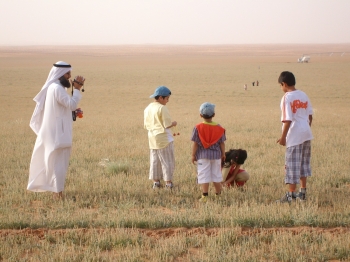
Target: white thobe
{"x":50,"y":159}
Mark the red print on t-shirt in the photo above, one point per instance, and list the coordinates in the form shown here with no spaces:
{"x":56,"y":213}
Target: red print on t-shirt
{"x":296,"y":104}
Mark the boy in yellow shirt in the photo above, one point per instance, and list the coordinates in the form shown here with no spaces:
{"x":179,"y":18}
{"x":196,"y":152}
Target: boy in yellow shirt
{"x":158,"y":122}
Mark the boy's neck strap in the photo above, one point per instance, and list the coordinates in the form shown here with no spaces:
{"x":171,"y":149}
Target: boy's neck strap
{"x":210,"y":123}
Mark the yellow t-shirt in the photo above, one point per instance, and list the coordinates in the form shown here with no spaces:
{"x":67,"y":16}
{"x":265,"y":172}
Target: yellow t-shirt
{"x":156,"y":119}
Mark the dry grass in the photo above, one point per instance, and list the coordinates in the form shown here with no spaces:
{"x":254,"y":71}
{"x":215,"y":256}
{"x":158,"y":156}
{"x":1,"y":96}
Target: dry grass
{"x":110,"y":211}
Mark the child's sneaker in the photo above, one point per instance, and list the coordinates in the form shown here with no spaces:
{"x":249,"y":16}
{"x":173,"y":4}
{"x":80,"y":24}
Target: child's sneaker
{"x":203,"y":199}
{"x":287,"y":198}
{"x":156,"y":185}
{"x":169,"y":186}
{"x":302,"y":194}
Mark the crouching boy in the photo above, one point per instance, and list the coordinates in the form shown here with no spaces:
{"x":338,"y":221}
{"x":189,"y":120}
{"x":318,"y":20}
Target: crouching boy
{"x":231,"y":168}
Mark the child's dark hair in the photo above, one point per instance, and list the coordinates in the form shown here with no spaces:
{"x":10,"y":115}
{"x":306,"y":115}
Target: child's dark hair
{"x":207,"y":117}
{"x":157,"y":97}
{"x":237,"y":156}
{"x":287,"y":77}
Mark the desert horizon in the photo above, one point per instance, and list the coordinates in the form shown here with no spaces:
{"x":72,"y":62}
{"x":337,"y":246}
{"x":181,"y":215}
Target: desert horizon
{"x":243,"y":49}
{"x":229,"y":53}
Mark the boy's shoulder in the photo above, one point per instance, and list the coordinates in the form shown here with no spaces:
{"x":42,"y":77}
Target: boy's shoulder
{"x":155,"y":105}
{"x":295,"y":93}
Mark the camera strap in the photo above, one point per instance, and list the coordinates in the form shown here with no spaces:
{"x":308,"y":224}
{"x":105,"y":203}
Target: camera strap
{"x":74,"y":115}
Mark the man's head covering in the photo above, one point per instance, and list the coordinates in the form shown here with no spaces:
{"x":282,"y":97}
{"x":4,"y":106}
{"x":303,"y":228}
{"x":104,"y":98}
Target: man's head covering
{"x":59,"y":69}
{"x":161,"y":91}
{"x":207,"y":109}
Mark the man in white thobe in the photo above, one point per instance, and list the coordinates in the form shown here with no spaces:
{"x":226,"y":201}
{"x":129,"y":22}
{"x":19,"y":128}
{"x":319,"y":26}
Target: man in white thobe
{"x":52,"y":123}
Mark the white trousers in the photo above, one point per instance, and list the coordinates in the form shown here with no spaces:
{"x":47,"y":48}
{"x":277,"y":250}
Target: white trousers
{"x":162,"y":163}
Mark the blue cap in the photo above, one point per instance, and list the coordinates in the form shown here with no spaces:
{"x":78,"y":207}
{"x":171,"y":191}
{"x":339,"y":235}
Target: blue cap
{"x":207,"y":109}
{"x":161,"y":91}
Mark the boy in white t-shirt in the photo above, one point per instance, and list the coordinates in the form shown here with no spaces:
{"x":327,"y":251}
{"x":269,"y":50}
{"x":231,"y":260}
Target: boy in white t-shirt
{"x":296,"y":136}
{"x":158,"y":122}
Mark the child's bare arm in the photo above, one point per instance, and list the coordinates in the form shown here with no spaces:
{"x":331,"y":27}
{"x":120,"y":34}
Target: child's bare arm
{"x":222,"y":148}
{"x":283,"y":139}
{"x":194,"y":151}
{"x":174,"y":123}
{"x":224,"y":172}
{"x":233,"y":177}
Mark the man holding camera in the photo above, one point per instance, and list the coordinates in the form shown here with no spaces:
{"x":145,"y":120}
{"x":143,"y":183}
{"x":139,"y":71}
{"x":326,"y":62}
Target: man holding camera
{"x":52,"y":123}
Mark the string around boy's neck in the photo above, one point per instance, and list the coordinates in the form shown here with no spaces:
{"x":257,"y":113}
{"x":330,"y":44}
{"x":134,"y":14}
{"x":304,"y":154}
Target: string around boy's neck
{"x":209,"y":123}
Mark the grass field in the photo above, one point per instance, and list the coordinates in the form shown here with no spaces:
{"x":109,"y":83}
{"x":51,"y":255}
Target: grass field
{"x":110,"y":212}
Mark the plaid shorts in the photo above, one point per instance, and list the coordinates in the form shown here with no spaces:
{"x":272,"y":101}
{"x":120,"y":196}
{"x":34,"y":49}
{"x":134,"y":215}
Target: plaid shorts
{"x":297,"y":162}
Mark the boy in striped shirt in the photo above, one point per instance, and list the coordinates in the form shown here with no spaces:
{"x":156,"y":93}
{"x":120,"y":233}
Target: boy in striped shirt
{"x":208,"y":150}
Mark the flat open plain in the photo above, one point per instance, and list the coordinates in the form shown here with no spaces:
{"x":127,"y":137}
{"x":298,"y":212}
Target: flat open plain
{"x":111,"y":213}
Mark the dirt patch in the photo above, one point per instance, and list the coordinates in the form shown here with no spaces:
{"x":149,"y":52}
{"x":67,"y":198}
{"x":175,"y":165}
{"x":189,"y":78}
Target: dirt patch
{"x":171,"y":232}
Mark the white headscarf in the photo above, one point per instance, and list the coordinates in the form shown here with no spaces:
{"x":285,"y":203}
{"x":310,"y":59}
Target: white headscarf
{"x":58,"y":70}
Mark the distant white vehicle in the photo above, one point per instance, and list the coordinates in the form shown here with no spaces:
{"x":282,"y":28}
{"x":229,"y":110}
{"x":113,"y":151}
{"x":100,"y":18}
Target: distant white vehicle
{"x":304,"y":59}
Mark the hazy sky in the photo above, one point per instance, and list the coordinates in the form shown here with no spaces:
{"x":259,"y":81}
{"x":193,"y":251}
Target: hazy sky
{"x":91,"y":22}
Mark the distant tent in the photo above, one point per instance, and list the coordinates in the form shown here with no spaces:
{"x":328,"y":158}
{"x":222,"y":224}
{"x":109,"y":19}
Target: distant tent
{"x":304,"y":59}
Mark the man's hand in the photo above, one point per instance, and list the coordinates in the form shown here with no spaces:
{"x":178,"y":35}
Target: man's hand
{"x":78,"y":82}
